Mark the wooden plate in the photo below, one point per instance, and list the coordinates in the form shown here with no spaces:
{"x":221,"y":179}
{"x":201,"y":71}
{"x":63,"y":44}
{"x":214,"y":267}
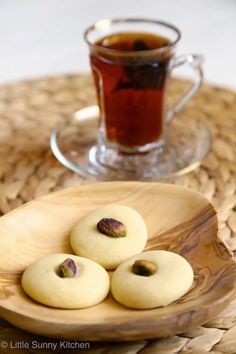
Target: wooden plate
{"x":178,"y":220}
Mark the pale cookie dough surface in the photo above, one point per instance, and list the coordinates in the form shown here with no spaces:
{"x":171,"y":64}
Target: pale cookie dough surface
{"x":87,"y":241}
{"x":173,"y":279}
{"x":89,"y":287}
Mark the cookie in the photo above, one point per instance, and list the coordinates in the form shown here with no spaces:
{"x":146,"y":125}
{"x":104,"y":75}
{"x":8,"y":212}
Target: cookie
{"x":151,"y":279}
{"x":128,"y":235}
{"x":66,"y":281}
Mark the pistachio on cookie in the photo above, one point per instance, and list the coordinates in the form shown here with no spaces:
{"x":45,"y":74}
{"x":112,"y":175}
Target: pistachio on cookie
{"x":144,"y":268}
{"x":111,"y":227}
{"x":67,"y":269}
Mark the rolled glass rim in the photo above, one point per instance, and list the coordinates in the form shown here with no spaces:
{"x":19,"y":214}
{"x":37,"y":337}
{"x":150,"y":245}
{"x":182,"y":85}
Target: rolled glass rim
{"x":107,"y":22}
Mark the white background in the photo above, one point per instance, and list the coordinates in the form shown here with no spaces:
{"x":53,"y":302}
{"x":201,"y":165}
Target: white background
{"x":44,"y":37}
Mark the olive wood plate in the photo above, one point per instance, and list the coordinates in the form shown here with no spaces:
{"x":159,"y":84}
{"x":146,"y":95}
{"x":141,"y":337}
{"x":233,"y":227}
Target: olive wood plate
{"x":178,"y":220}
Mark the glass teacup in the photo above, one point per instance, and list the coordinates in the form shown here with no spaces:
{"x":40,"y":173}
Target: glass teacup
{"x":131,"y":60}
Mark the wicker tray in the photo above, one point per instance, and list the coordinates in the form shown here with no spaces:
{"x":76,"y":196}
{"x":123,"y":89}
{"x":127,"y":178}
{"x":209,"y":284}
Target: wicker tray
{"x":31,"y":109}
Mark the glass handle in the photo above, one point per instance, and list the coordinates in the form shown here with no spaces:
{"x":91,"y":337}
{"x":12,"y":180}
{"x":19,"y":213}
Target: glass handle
{"x":195,"y":62}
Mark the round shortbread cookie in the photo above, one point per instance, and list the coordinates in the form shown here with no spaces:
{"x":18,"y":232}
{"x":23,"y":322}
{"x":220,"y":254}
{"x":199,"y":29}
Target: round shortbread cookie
{"x":172,"y":279}
{"x":88,"y":287}
{"x":87,"y":241}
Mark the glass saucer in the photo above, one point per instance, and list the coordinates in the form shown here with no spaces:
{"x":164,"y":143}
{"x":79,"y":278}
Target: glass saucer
{"x":74,"y":145}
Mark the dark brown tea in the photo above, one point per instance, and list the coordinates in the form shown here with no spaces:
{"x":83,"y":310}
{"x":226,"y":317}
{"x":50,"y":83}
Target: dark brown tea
{"x":130,"y":80}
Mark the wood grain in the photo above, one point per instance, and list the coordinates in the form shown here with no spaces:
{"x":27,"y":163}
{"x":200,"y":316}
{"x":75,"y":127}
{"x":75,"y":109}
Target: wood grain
{"x":178,"y":219}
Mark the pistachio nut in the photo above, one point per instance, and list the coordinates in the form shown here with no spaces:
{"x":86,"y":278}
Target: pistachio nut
{"x":67,"y":269}
{"x":144,"y":268}
{"x":111,"y":227}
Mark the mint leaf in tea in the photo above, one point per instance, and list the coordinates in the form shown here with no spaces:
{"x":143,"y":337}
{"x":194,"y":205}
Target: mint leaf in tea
{"x":139,"y":44}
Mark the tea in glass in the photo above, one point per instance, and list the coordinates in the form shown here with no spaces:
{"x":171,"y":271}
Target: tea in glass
{"x":131,"y":60}
{"x":132,"y":94}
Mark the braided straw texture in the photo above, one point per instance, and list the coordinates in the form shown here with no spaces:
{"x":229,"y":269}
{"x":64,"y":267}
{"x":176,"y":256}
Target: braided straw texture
{"x":30,"y":110}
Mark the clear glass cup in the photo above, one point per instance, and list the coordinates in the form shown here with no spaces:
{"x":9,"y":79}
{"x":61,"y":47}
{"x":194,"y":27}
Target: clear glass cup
{"x":131,"y":85}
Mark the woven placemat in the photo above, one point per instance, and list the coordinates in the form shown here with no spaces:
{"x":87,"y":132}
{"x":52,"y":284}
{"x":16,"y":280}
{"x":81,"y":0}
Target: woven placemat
{"x":30,"y":110}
